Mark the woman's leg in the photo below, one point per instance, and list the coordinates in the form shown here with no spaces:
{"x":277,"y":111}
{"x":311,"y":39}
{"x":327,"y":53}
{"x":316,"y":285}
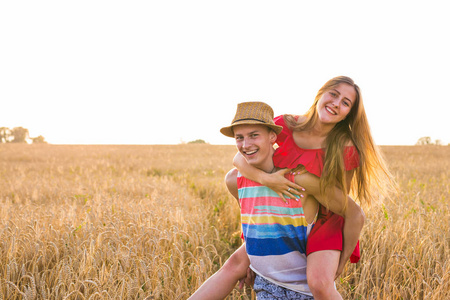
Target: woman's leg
{"x":222,"y":283}
{"x":320,"y":273}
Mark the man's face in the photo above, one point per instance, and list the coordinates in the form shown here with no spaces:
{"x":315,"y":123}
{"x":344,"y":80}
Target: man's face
{"x":255,"y":143}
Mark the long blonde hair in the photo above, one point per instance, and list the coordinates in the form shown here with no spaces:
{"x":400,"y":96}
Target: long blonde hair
{"x":372,"y":171}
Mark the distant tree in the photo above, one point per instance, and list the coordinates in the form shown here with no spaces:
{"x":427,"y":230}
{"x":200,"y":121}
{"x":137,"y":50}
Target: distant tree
{"x":20,"y":135}
{"x":5,"y":135}
{"x":438,"y":142}
{"x":197,"y":142}
{"x":38,"y":140}
{"x":426,"y":140}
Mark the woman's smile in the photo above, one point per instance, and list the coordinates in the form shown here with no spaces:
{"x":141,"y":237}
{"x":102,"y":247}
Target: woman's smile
{"x":331,"y":111}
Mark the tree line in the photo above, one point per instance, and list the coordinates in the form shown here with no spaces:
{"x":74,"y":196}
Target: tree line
{"x":426,"y":140}
{"x":19,"y":135}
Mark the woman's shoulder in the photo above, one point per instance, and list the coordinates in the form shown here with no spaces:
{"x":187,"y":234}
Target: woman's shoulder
{"x":351,"y":156}
{"x":350,"y":149}
{"x":290,"y":119}
{"x":300,"y":118}
{"x":349,"y":144}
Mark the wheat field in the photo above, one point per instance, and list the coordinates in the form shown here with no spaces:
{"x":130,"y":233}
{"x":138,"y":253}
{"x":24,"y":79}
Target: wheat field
{"x":154,"y":222}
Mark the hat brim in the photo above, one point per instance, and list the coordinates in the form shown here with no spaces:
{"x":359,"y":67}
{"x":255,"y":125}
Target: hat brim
{"x":228,"y":131}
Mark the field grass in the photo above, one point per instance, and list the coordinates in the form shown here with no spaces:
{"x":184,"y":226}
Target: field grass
{"x":154,"y":222}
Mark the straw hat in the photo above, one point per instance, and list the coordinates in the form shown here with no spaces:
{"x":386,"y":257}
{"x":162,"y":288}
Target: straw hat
{"x":252,"y":113}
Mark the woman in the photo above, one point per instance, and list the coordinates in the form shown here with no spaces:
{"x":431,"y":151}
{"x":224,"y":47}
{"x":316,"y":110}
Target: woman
{"x":333,"y":141}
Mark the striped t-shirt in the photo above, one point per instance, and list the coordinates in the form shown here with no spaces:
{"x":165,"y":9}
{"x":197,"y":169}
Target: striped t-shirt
{"x":275,"y":234}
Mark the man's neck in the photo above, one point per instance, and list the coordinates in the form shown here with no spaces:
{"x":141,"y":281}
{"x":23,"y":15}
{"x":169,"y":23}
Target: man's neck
{"x":269,"y":168}
{"x":268,"y":165}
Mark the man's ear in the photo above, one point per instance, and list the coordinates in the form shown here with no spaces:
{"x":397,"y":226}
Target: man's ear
{"x":273,"y":137}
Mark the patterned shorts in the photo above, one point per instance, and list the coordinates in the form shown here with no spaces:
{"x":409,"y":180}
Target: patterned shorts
{"x":265,"y":289}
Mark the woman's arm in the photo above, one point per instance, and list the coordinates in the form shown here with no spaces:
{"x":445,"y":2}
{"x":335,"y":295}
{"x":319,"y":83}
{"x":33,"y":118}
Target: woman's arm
{"x":336,"y":200}
{"x":275,"y":181}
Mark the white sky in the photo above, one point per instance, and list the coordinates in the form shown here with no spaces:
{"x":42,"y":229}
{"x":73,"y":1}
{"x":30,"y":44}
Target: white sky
{"x":162,"y":72}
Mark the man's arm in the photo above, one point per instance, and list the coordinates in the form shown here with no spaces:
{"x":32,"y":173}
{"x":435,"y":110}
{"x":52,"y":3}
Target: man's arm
{"x":231,"y":183}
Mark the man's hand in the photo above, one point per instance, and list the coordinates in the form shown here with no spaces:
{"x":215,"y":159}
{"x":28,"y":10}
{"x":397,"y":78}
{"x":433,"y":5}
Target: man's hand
{"x":249,"y":280}
{"x":340,"y":269}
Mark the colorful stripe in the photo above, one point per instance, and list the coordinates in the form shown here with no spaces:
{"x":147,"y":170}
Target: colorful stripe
{"x":275,"y":233}
{"x":271,"y":231}
{"x":270,"y":219}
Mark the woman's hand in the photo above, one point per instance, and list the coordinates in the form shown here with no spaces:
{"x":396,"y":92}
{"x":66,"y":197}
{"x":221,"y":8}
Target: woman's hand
{"x":282,"y":186}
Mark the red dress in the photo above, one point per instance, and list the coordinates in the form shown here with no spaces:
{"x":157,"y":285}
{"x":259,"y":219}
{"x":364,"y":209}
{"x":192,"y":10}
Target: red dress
{"x":327,"y":232}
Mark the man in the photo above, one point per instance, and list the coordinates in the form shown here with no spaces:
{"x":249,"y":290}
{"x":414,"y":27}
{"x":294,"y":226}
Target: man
{"x":275,"y":231}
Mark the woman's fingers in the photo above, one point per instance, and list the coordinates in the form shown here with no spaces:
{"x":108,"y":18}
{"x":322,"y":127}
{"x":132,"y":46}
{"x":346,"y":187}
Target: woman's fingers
{"x":284,"y":171}
{"x":287,"y":195}
{"x":281,"y":195}
{"x":297,"y":187}
{"x":291,"y":196}
{"x":294,"y":191}
{"x":292,"y":186}
{"x":284,"y":187}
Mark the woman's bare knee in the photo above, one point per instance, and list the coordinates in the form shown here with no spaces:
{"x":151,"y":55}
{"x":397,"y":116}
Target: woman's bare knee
{"x":320,"y":272}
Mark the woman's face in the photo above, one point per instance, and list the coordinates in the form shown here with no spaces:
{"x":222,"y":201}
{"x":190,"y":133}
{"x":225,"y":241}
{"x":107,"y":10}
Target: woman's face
{"x":336,"y":103}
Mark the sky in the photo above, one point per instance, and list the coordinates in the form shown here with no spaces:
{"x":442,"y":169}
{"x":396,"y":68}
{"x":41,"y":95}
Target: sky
{"x":170,"y":72}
